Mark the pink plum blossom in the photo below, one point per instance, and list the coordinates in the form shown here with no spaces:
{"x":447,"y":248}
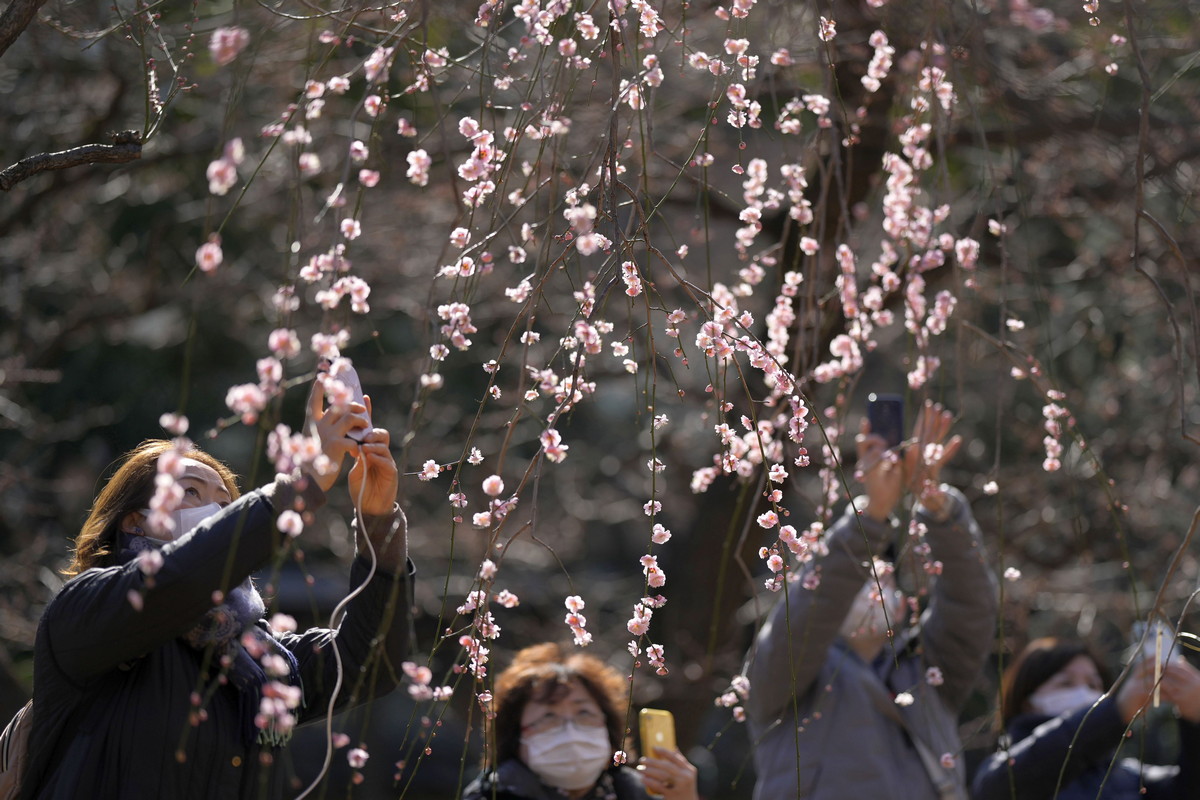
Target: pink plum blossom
{"x":209,"y":255}
{"x":226,"y":43}
{"x":290,"y":522}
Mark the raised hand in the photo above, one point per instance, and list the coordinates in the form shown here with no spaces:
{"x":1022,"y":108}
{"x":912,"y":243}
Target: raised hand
{"x":881,"y":473}
{"x":332,"y":427}
{"x":928,"y":452}
{"x":886,"y":474}
{"x":1181,"y":687}
{"x":1136,"y":690}
{"x":374,"y":478}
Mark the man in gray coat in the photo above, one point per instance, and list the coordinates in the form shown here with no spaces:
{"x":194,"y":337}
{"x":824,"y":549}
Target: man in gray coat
{"x":842,"y":702}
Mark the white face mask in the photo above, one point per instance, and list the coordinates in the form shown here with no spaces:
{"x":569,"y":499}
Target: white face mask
{"x":570,"y":757}
{"x":185,"y":519}
{"x":1060,"y":701}
{"x":867,"y":615}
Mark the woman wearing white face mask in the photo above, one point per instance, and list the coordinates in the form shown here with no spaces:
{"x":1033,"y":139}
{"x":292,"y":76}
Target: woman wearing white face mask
{"x":155,"y":673}
{"x":559,"y":720}
{"x":1064,"y":730}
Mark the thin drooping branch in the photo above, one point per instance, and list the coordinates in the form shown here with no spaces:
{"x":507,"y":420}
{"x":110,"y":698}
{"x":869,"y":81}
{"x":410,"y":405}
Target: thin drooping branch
{"x":126,"y":146}
{"x":16,"y":19}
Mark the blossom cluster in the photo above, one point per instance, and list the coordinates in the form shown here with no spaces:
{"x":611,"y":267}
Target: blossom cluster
{"x":520,"y":225}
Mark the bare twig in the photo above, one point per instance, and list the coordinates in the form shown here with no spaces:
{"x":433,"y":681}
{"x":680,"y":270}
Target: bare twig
{"x":1174,"y":245}
{"x":126,"y":146}
{"x":1160,"y":598}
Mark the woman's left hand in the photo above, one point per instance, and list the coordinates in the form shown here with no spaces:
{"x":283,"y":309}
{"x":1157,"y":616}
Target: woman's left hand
{"x":374,"y":479}
{"x":332,"y":427}
{"x":669,"y":775}
{"x":1181,"y":686}
{"x":929,"y":452}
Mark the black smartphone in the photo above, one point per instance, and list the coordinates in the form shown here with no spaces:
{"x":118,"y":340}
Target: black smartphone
{"x":885,"y":413}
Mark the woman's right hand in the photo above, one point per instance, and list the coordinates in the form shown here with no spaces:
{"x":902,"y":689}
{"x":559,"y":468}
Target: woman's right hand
{"x":669,"y":775}
{"x":880,"y":471}
{"x":1137,"y":690}
{"x":331,"y":426}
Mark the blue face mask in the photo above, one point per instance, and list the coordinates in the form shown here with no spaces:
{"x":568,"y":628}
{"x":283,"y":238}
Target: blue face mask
{"x":185,"y":519}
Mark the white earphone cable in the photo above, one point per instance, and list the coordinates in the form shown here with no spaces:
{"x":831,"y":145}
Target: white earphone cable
{"x":335,"y":621}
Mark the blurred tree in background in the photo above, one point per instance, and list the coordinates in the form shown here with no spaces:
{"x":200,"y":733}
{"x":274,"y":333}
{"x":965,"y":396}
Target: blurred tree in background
{"x":577,"y":238}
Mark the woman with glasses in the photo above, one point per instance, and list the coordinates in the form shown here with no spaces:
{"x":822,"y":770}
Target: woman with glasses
{"x":560,"y":718}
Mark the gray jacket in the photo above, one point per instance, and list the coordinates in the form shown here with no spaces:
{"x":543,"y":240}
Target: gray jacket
{"x":825,"y":724}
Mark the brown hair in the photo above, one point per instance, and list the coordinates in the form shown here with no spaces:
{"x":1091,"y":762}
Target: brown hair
{"x":543,"y":673}
{"x":130,"y":489}
{"x":1036,"y":664}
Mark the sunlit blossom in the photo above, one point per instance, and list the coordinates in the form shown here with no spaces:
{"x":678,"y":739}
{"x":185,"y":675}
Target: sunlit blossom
{"x":226,"y":43}
{"x":290,"y":522}
{"x":209,"y":255}
{"x":377,"y":64}
{"x":827,"y":29}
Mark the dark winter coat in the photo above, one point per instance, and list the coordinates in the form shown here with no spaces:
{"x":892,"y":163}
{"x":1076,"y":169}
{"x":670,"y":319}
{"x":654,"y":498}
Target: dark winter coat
{"x":512,"y":780}
{"x":1034,"y":766}
{"x":116,"y":689}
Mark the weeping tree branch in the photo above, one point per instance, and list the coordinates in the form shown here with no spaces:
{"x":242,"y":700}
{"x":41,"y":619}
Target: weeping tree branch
{"x":16,"y":19}
{"x":126,"y":146}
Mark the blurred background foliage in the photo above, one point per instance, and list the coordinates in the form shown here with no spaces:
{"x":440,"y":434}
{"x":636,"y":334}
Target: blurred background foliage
{"x":105,"y":323}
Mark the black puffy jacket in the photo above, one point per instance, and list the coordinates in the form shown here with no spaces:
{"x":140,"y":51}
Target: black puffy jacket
{"x":114,"y":687}
{"x":1030,"y":769}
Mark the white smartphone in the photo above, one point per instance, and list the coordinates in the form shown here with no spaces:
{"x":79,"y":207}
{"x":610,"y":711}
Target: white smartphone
{"x":349,"y":376}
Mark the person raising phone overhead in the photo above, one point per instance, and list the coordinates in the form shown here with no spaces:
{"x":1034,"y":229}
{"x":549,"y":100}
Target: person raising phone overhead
{"x":152,"y":663}
{"x":844,"y":700}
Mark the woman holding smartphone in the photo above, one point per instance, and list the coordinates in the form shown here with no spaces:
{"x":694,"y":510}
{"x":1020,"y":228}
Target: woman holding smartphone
{"x":560,"y":718}
{"x":155,"y":672}
{"x":1064,"y":729}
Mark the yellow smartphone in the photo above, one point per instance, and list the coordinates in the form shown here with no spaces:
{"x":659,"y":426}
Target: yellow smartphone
{"x":657,"y":729}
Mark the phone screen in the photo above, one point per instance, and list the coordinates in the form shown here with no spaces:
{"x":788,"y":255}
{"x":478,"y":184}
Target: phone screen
{"x":885,"y":413}
{"x":349,"y":376}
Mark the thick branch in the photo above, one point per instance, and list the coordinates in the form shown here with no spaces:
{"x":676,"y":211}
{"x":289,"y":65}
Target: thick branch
{"x":16,"y":19}
{"x":126,"y":146}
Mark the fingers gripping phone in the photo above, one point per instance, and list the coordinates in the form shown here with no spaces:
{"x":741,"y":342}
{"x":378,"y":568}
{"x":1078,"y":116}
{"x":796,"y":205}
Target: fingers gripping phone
{"x":885,"y":414}
{"x":1154,"y":641}
{"x":657,"y":729}
{"x":342,"y":370}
